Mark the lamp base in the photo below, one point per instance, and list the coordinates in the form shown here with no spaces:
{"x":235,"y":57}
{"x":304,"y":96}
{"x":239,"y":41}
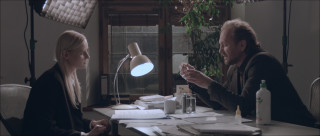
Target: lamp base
{"x":124,"y":107}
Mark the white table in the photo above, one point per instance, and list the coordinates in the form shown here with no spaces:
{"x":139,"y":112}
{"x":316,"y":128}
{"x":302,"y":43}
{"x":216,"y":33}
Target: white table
{"x":275,"y":128}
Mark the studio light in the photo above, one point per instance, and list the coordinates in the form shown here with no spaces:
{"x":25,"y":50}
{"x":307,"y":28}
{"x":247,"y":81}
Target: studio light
{"x":139,"y":66}
{"x":72,"y":12}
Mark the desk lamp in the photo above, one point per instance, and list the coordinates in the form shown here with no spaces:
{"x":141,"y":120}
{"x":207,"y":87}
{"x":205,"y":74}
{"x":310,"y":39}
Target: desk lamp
{"x":139,"y":66}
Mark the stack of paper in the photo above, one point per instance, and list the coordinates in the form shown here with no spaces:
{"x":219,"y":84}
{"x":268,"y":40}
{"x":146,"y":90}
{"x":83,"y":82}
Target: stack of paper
{"x":152,"y":98}
{"x":204,"y":114}
{"x":152,"y":122}
{"x":150,"y":105}
{"x":220,"y":128}
{"x":139,"y":114}
{"x":152,"y":101}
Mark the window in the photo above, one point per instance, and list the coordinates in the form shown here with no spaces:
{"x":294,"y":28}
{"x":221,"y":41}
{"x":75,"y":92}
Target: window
{"x":160,"y":36}
{"x":147,"y":38}
{"x":181,"y":48}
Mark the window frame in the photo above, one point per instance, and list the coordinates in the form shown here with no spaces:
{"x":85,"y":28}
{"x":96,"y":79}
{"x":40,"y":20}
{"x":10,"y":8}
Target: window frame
{"x":107,"y":7}
{"x":167,"y":17}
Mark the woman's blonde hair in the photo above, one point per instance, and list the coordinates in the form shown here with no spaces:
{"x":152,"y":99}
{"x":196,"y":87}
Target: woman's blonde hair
{"x":69,"y":40}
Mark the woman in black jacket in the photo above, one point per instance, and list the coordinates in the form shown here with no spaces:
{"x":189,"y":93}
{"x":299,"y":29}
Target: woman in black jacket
{"x":54,"y":104}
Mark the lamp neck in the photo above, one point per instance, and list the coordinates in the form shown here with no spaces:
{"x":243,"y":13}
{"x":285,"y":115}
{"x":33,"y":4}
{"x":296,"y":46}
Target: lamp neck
{"x":115,"y":81}
{"x":134,"y":49}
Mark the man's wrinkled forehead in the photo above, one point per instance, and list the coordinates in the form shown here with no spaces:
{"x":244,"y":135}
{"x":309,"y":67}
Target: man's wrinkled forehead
{"x":228,"y":31}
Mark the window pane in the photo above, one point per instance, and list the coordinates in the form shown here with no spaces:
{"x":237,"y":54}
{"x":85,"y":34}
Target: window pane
{"x":118,"y":39}
{"x":181,"y":42}
{"x":147,"y":38}
{"x":181,"y":47}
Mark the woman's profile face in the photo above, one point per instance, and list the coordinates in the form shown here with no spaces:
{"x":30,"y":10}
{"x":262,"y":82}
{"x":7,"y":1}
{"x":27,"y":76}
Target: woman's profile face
{"x":79,"y":57}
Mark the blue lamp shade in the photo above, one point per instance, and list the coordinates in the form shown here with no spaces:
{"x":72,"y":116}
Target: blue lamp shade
{"x":140,"y":65}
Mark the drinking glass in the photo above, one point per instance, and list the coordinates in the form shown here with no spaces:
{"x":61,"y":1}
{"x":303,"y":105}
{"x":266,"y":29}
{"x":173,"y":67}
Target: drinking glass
{"x":191,"y":103}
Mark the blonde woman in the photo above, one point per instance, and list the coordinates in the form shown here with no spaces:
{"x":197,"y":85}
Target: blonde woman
{"x":54,"y":104}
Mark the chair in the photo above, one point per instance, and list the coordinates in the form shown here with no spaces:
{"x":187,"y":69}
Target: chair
{"x":314,"y":100}
{"x":13,"y":101}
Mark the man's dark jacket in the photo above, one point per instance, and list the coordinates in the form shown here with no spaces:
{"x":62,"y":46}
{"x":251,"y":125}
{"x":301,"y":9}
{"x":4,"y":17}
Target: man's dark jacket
{"x":243,"y":82}
{"x":49,"y":110}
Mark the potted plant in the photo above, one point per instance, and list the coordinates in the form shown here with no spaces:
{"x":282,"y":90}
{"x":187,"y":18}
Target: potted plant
{"x":201,"y":18}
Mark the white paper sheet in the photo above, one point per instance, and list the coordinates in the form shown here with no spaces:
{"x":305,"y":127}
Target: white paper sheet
{"x":219,"y":119}
{"x":204,"y":114}
{"x":150,"y":123}
{"x":220,"y":128}
{"x":169,"y":131}
{"x":139,"y":114}
{"x":227,"y":128}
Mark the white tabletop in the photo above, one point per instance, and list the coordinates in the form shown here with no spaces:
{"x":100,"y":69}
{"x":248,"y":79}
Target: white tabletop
{"x":275,"y":128}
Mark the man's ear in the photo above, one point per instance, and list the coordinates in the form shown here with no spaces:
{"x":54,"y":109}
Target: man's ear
{"x":243,"y":45}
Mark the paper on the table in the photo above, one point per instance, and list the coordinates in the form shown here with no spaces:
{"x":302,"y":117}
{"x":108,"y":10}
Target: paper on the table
{"x":139,"y":114}
{"x":216,"y":119}
{"x":204,"y":114}
{"x":150,"y":123}
{"x":169,"y":131}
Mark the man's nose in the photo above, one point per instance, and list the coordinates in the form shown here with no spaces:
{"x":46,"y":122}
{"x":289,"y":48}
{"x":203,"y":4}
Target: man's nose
{"x":88,"y":56}
{"x":220,"y":51}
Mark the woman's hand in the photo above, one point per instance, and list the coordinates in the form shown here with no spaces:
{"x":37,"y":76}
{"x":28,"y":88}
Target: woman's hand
{"x":102,"y":122}
{"x":98,"y":130}
{"x":99,"y":127}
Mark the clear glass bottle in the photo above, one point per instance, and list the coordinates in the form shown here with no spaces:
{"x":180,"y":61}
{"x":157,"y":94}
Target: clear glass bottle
{"x":191,"y":103}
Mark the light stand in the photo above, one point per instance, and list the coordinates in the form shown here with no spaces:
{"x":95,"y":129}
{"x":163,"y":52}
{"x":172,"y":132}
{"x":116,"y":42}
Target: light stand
{"x":76,"y":13}
{"x":31,"y":64}
{"x":284,"y":38}
{"x":139,"y":66}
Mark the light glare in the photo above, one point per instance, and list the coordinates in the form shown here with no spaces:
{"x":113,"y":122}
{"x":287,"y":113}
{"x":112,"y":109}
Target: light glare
{"x":142,"y":69}
{"x":45,"y":4}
